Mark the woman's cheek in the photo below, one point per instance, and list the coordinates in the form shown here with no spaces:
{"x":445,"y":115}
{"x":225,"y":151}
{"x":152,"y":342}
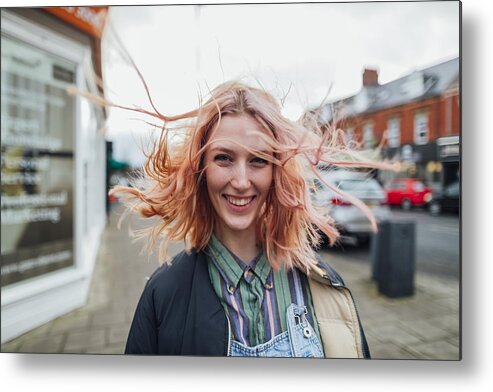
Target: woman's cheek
{"x":217,"y":177}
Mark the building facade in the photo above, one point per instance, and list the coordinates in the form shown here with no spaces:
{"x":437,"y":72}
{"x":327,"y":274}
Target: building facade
{"x":413,"y":117}
{"x":53,"y":162}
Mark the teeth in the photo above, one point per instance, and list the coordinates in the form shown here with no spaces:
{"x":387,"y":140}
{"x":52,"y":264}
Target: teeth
{"x":239,"y":202}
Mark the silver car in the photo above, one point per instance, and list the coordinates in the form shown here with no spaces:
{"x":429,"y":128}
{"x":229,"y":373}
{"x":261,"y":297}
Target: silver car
{"x":349,"y":219}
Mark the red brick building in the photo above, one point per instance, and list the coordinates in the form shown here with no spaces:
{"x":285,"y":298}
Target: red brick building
{"x":420,"y":114}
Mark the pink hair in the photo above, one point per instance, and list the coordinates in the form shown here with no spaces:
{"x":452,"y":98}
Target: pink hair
{"x":176,"y":193}
{"x":174,"y":187}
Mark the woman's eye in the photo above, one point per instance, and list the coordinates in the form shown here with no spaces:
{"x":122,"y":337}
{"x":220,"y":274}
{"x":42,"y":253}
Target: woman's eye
{"x":222,"y":158}
{"x":259,"y":161}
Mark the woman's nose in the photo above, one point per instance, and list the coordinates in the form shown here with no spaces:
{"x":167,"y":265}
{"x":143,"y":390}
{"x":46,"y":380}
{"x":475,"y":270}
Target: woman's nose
{"x":240,"y":179}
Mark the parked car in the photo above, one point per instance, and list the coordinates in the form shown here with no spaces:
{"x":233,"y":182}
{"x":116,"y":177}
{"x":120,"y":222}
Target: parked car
{"x":349,"y":219}
{"x":447,"y":200}
{"x":408,"y":193}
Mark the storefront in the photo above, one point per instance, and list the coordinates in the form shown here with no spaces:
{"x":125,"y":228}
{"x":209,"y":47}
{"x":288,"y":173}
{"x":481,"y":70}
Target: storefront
{"x":417,"y":161}
{"x":53,"y":163}
{"x":449,"y":154}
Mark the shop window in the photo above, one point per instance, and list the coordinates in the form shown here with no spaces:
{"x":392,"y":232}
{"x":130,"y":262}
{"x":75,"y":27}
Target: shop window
{"x":368,"y":138}
{"x":38,"y":128}
{"x":394,"y":132}
{"x":421,"y":128}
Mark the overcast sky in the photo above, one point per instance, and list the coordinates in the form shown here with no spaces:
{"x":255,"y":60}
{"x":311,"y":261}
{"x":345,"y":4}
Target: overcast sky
{"x":316,"y":48}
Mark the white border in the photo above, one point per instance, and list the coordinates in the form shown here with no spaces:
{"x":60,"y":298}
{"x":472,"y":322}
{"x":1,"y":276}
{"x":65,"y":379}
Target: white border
{"x":58,"y":372}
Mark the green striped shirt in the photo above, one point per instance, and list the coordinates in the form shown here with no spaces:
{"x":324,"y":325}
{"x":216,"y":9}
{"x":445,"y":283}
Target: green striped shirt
{"x":254,"y":296}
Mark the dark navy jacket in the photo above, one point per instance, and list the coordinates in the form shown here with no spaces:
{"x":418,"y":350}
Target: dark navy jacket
{"x":180,"y":314}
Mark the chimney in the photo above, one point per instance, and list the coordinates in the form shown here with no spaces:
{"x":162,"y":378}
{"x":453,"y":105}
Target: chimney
{"x":370,"y":77}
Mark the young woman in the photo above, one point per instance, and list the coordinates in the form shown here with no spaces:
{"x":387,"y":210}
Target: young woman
{"x":236,"y":190}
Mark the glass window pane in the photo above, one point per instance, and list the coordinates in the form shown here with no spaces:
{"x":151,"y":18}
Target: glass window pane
{"x":37,"y":128}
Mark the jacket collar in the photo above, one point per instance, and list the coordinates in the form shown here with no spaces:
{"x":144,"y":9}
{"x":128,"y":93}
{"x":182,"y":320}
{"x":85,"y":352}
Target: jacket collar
{"x":325,"y":274}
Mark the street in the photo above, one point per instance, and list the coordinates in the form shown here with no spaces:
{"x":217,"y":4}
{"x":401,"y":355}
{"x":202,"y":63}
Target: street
{"x":437,"y":243}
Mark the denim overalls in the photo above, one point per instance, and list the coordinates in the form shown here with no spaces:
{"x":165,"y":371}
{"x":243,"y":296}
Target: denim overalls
{"x":299,"y":340}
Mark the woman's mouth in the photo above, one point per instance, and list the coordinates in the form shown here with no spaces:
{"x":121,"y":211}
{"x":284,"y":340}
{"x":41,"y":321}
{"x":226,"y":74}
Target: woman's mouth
{"x":239,"y":203}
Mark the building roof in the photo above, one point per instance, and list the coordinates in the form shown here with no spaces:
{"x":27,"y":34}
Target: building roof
{"x":420,"y":84}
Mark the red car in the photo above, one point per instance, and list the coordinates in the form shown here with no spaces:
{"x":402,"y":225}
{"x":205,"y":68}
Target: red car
{"x":407,"y":193}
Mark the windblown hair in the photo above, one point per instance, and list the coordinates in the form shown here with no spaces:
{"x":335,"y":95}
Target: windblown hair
{"x":174,"y":190}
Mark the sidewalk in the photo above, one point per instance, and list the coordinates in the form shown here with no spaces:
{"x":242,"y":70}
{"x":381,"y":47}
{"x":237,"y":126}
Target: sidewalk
{"x":424,"y":326}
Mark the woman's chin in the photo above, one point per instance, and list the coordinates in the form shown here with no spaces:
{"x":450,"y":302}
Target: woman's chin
{"x":237,"y":227}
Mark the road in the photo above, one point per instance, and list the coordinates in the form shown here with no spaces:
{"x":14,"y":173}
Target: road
{"x":437,"y":243}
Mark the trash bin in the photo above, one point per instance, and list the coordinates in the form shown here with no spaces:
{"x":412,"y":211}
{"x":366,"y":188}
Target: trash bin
{"x":393,"y":258}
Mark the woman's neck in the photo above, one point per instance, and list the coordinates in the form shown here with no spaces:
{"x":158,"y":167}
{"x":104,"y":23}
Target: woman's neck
{"x":243,"y":244}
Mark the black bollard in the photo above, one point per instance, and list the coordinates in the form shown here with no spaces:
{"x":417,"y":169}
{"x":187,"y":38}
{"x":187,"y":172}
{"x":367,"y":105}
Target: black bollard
{"x":393,"y":258}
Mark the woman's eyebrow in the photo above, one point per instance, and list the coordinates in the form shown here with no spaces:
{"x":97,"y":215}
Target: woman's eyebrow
{"x":267,"y":152}
{"x":229,"y":151}
{"x":222,"y":149}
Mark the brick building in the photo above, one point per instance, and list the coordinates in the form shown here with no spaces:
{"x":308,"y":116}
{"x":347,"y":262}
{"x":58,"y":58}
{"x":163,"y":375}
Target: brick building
{"x":419,"y":111}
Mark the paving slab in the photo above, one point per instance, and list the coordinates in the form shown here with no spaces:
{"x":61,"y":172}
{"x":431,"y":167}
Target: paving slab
{"x":78,"y":342}
{"x":118,"y":335}
{"x":43,"y":344}
{"x":440,"y":350}
{"x":425,"y":329}
{"x":389,"y":350}
{"x":70,"y":322}
{"x":395,"y":334}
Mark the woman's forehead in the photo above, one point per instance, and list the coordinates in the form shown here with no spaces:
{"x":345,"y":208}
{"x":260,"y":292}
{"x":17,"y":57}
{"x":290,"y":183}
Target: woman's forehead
{"x":239,"y":122}
{"x":237,"y":132}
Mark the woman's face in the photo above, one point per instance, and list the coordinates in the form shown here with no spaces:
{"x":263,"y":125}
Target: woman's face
{"x":238,"y":182}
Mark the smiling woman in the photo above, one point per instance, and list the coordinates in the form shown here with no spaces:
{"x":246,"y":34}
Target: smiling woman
{"x":238,"y":182}
{"x":237,"y":192}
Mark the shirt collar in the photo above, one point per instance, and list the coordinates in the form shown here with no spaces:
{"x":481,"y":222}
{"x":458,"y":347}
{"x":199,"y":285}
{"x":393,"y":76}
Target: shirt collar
{"x":262,"y":269}
{"x":232,"y":268}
